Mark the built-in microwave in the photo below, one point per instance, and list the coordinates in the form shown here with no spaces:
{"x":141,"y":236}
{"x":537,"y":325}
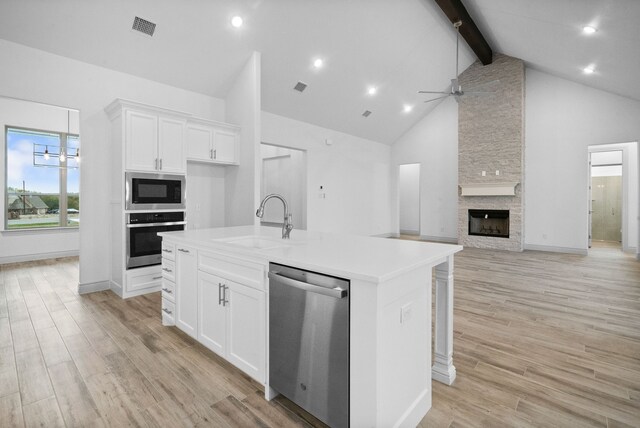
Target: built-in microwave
{"x":147,"y":191}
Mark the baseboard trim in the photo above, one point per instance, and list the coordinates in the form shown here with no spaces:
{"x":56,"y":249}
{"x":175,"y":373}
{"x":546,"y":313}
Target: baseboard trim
{"x":409,"y":232}
{"x":39,"y":256}
{"x":443,"y":239}
{"x":632,"y":250}
{"x":116,"y":288}
{"x":553,"y":249}
{"x":92,"y":287}
{"x":386,"y":235}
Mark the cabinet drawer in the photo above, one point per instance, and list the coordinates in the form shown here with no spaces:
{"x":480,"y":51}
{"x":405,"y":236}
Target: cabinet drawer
{"x":140,"y":278}
{"x":168,"y":312}
{"x":245,"y":272}
{"x":168,"y":251}
{"x":168,"y":270}
{"x":168,"y":289}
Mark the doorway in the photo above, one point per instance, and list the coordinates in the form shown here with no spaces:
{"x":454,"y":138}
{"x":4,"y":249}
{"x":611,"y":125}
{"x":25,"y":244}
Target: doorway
{"x":284,"y":172}
{"x":409,"y":199}
{"x":606,"y":199}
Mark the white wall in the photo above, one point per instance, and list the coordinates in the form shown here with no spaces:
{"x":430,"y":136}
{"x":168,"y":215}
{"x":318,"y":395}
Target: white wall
{"x":433,"y":143}
{"x":354,"y":174}
{"x":242,"y":186}
{"x":39,"y":76}
{"x":30,"y":245}
{"x":409,"y":195}
{"x":562,"y":120}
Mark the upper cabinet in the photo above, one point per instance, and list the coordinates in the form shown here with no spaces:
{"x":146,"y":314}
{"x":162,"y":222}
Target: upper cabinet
{"x":156,"y":139}
{"x":211,"y":142}
{"x":154,"y":142}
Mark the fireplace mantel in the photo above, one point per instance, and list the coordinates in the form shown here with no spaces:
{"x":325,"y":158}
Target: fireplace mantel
{"x":489,"y":189}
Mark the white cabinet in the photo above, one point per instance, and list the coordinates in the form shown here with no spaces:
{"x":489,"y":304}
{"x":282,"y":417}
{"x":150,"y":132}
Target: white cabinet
{"x":211,"y":142}
{"x":154,"y":142}
{"x":186,"y":290}
{"x":232,"y":322}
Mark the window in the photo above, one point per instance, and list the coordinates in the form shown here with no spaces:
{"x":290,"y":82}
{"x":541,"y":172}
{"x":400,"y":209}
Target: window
{"x":43,"y":179}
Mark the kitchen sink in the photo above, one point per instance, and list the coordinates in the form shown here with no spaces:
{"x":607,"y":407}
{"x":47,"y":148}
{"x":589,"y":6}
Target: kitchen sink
{"x":254,"y":241}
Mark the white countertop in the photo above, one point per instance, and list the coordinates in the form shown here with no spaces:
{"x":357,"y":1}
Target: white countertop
{"x":348,"y":256}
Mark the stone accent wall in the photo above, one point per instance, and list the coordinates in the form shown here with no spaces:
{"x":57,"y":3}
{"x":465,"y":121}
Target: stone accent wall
{"x":490,"y":138}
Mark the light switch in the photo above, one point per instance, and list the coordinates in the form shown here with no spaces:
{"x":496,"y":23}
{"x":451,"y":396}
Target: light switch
{"x":484,"y":173}
{"x":406,"y":312}
{"x":497,"y":172}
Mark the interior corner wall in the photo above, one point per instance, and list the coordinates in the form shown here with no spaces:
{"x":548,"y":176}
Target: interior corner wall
{"x":242,"y":182}
{"x":52,"y":79}
{"x":563,"y":119}
{"x":353,"y":172}
{"x":433,"y":143}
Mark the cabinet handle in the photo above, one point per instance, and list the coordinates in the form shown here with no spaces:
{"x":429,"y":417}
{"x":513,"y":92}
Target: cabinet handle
{"x":160,"y":163}
{"x":164,"y":250}
{"x":167,"y":311}
{"x":220,"y":300}
{"x":214,"y":154}
{"x":157,"y":277}
{"x":167,"y":290}
{"x":183,"y":250}
{"x":156,"y":163}
{"x":225,"y":302}
{"x":166,"y":270}
{"x":210,"y":153}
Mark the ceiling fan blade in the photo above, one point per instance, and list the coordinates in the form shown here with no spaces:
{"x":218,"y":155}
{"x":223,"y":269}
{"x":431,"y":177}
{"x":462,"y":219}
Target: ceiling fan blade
{"x":433,"y":92}
{"x":439,"y":98}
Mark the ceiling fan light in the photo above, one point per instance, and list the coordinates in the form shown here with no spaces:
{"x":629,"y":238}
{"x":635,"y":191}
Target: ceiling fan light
{"x":588,"y":29}
{"x":237,"y":21}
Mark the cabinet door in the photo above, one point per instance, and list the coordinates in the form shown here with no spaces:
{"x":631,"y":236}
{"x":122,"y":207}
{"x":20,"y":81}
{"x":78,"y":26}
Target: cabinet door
{"x":199,"y":143}
{"x":187,"y":290}
{"x":211,"y":313}
{"x":171,"y":145}
{"x":224,"y":146}
{"x":246,"y":329}
{"x":141,"y":133}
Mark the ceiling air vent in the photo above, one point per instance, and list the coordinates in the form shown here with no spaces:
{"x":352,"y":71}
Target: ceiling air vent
{"x":144,"y":26}
{"x":366,"y":113}
{"x":300,"y":86}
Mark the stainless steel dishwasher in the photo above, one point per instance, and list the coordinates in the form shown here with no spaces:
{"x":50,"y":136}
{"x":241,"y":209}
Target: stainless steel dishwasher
{"x":309,"y":341}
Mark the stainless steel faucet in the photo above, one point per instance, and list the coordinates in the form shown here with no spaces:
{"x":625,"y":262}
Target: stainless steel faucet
{"x":287,"y":225}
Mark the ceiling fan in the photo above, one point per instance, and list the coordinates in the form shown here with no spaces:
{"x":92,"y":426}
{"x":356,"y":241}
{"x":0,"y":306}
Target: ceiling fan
{"x":456,"y":88}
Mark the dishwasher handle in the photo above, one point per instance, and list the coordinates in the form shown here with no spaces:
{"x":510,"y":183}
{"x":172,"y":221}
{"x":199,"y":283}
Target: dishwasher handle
{"x":336,"y":292}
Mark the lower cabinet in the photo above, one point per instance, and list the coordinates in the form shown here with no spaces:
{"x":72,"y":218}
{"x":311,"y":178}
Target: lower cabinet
{"x":232,"y":322}
{"x":186,"y":291}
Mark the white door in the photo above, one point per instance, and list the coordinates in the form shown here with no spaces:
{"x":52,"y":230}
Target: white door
{"x":246,"y":329}
{"x":171,"y":146}
{"x":141,"y":134}
{"x":409,"y":198}
{"x":211,"y":313}
{"x":224,"y":146}
{"x":199,"y":142}
{"x":187,"y":290}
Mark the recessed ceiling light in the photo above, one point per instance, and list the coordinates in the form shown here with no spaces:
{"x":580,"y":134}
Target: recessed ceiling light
{"x":588,"y":29}
{"x":237,"y":21}
{"x":589,"y":70}
{"x":318,"y":63}
{"x":407,"y":108}
{"x":372,"y":90}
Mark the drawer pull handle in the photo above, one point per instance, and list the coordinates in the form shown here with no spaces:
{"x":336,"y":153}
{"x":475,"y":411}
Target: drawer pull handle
{"x":157,"y":277}
{"x":183,"y":250}
{"x":165,"y":250}
{"x":167,"y":311}
{"x":220,"y":298}
{"x":167,"y":290}
{"x":167,"y":270}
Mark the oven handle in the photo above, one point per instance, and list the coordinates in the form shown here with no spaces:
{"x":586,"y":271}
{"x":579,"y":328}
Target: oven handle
{"x":175,"y":223}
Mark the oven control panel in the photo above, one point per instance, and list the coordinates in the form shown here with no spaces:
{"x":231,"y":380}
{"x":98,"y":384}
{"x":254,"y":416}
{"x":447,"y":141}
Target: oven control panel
{"x":163,"y":217}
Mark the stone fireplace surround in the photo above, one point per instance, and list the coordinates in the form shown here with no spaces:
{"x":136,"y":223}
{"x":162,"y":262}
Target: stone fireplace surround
{"x":491,"y":140}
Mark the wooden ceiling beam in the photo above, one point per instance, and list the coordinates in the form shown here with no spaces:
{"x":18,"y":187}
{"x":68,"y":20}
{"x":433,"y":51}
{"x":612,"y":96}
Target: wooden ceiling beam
{"x":455,"y":11}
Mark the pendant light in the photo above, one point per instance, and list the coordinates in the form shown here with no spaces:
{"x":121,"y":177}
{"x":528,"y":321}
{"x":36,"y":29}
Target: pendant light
{"x":46,"y":153}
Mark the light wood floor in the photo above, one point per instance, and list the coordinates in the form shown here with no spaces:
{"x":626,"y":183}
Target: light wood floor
{"x":541,"y":339}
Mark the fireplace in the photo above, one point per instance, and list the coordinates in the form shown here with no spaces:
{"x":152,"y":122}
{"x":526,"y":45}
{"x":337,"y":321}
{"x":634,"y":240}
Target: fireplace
{"x":489,"y":223}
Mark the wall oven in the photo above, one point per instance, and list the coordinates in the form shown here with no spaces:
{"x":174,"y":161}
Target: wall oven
{"x":144,"y":246}
{"x":147,"y":191}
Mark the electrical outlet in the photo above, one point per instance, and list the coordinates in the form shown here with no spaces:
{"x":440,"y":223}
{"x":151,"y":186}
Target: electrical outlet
{"x":406,"y":313}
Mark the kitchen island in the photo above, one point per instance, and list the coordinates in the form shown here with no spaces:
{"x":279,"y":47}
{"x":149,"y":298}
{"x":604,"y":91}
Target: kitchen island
{"x":215,"y":288}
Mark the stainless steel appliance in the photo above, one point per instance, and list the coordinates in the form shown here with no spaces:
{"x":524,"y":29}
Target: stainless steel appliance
{"x":147,"y":191}
{"x":144,"y":246}
{"x":309,"y":341}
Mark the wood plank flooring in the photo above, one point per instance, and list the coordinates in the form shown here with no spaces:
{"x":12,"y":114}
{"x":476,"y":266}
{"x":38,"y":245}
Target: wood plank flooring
{"x":541,"y":339}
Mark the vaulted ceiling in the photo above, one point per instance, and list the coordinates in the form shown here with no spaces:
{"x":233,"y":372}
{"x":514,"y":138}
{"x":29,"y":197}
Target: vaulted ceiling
{"x":398,"y":46}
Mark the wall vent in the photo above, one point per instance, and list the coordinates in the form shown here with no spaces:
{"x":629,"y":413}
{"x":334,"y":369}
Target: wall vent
{"x":300,"y":86}
{"x":366,"y":113}
{"x":144,"y":26}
